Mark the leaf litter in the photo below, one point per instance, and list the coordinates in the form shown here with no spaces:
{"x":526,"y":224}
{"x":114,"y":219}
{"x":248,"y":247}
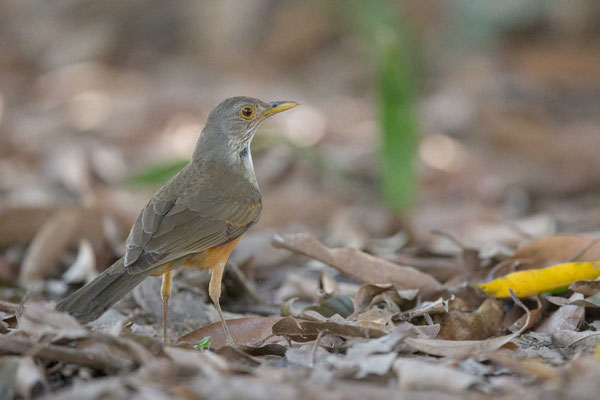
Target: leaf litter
{"x":453,"y":340}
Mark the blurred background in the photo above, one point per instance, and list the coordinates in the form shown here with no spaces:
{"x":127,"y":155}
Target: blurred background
{"x":476,"y":118}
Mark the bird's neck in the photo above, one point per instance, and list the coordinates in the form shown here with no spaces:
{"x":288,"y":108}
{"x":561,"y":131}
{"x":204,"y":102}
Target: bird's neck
{"x":228,"y":160}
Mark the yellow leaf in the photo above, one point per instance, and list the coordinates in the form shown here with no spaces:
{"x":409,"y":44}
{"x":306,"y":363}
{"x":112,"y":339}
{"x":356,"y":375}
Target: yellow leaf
{"x":597,"y":352}
{"x":534,"y":281}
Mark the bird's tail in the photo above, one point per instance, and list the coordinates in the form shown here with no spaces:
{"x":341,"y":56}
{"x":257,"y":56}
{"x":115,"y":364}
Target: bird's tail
{"x":92,"y":300}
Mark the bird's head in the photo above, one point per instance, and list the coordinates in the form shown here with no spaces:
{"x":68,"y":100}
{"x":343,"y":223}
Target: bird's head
{"x":237,"y":118}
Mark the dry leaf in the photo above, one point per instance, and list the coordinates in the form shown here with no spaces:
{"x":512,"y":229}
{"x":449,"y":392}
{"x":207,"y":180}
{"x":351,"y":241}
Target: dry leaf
{"x":535,"y":315}
{"x":365,"y":294}
{"x":384,"y":344}
{"x":427,"y":307}
{"x":568,"y":317}
{"x":305,"y":331}
{"x":339,"y":304}
{"x":459,"y":348}
{"x":531,"y":367}
{"x":297,"y":285}
{"x":589,"y":302}
{"x":555,"y":249}
{"x":210,"y":363}
{"x":20,"y":224}
{"x":578,"y":341}
{"x":84,"y":267}
{"x":360,"y":265}
{"x":39,"y":320}
{"x":414,"y":374}
{"x":245,"y":331}
{"x":376,"y":318}
{"x":586,"y":288}
{"x":485,"y":322}
{"x":360,"y":367}
{"x":48,"y":245}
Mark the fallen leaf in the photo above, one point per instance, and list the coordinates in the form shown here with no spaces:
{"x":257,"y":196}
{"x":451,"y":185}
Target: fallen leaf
{"x":577,"y":341}
{"x":459,"y":348}
{"x":372,"y":293}
{"x":549,"y":250}
{"x":305,"y":331}
{"x":271,"y":349}
{"x":384,"y":344}
{"x":589,"y":302}
{"x":427,"y":307}
{"x":529,"y":367}
{"x":245,"y":331}
{"x":466,"y":348}
{"x":339,"y":304}
{"x":287,"y":308}
{"x":360,"y":265}
{"x":586,"y":288}
{"x":360,"y":367}
{"x":306,"y":356}
{"x":365,"y":294}
{"x":535,"y":315}
{"x":376,"y":318}
{"x":48,"y":245}
{"x":534,"y":281}
{"x":210,"y":363}
{"x":84,"y":267}
{"x":567,"y":317}
{"x":20,"y":224}
{"x":483,"y":323}
{"x":38,"y":320}
{"x":414,"y":374}
{"x":327,"y":283}
{"x":297,"y":285}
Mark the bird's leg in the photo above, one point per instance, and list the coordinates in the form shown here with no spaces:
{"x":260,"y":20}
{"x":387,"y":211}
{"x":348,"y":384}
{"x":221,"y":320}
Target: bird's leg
{"x":214,"y":291}
{"x":165,"y":293}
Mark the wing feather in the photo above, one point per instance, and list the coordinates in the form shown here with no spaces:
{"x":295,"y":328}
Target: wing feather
{"x":158,"y":237}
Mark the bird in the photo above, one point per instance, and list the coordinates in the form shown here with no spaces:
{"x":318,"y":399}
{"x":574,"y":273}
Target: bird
{"x":195,"y":219}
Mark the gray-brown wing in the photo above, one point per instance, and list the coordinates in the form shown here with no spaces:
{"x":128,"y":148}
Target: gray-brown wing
{"x":167,"y":230}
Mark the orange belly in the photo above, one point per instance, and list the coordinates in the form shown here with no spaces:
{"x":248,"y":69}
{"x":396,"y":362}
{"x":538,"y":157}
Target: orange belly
{"x":205,"y":259}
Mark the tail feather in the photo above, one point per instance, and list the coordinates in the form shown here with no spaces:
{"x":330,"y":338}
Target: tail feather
{"x":92,"y":300}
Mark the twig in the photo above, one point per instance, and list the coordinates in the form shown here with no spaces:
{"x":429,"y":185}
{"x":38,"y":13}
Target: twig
{"x":313,"y":352}
{"x":10,"y":345}
{"x":524,"y":307}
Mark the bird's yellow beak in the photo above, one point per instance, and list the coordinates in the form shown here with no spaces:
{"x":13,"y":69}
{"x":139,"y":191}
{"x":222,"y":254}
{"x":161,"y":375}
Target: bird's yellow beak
{"x":278,"y":106}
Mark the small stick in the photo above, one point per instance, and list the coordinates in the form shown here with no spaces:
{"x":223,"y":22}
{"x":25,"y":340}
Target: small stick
{"x":313,"y":352}
{"x":524,"y":307}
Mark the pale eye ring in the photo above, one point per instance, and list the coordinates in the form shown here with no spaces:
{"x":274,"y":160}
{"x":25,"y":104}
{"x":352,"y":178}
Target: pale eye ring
{"x":247,"y":112}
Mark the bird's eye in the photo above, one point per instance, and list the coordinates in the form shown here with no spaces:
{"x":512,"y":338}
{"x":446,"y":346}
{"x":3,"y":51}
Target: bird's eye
{"x":247,"y":112}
